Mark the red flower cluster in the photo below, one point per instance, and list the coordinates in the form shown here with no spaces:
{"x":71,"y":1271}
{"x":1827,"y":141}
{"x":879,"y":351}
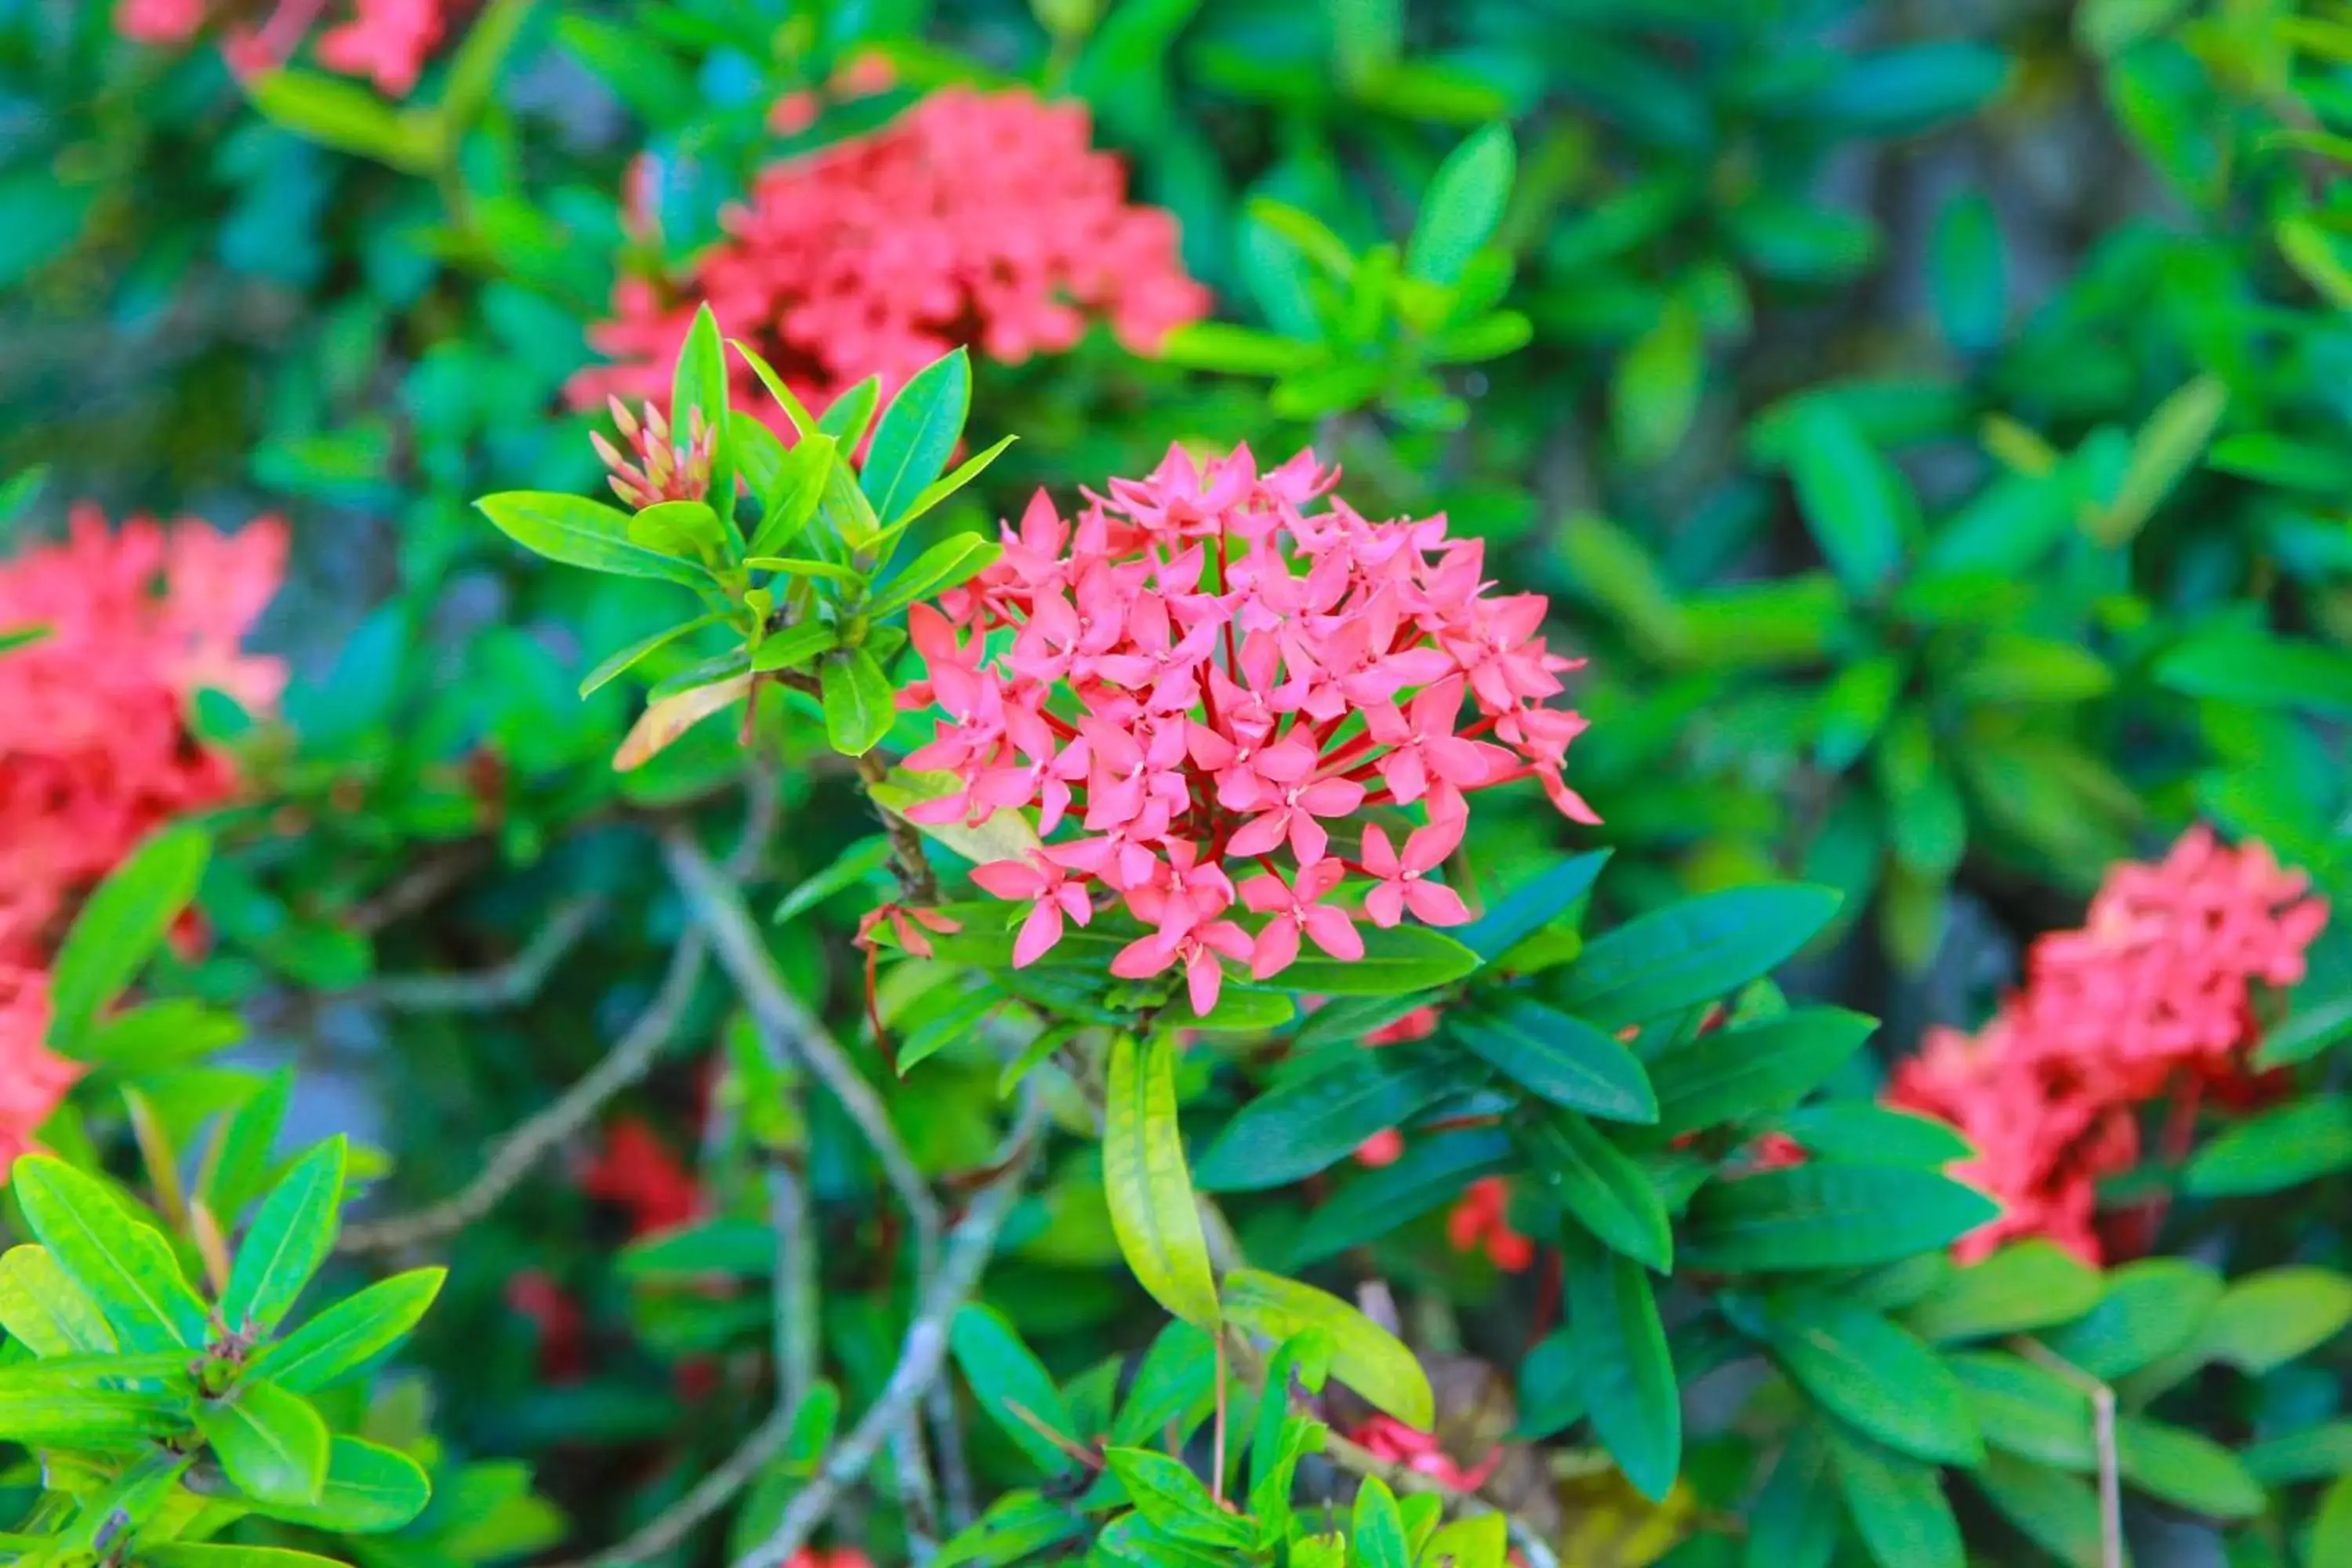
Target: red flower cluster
{"x":1241,"y":675}
{"x":2154,"y":994}
{"x":1392,"y":1441}
{"x":95,"y":746}
{"x":980,"y":218}
{"x":1481,"y":1218}
{"x":387,"y":41}
{"x":636,"y":1171}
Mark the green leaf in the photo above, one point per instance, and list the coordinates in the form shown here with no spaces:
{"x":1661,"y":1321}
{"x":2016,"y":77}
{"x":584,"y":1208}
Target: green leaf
{"x":795,"y":647}
{"x":801,"y":566}
{"x":1556,"y":1057}
{"x":130,"y":1505}
{"x":1690,"y":953}
{"x":89,"y":1421}
{"x":851,"y":413}
{"x":1796,"y":1519}
{"x":2186,"y":1469}
{"x":918,"y":432}
{"x":1399,"y":959}
{"x":237,"y":1166}
{"x":2057,"y":1512}
{"x":944,"y":565}
{"x":636,"y":652}
{"x":1016,"y":1527}
{"x":1237,"y":351}
{"x":2027,"y":1409}
{"x":1431,"y":1172}
{"x":1308,"y":1123}
{"x":1966,"y":274}
{"x":2167,"y":447}
{"x":964,"y":473}
{"x":1463,"y":205}
{"x":699,"y":381}
{"x":2265,"y":1319}
{"x":2296,"y":1142}
{"x":1364,"y":1356}
{"x":345,"y":116}
{"x":1599,"y":1186}
{"x":2150,"y":1309}
{"x":1482,"y":1540}
{"x":859,"y":702}
{"x":125,"y":1265}
{"x":1865,"y":1371}
{"x":1376,"y":1531}
{"x":272,"y":1443}
{"x":1173,"y":1387}
{"x":349,"y":1334}
{"x":1006,"y":1376}
{"x":289,"y":1239}
{"x":369,"y":1489}
{"x":1753,"y":1071}
{"x":2027,"y":1285}
{"x":176,"y":1555}
{"x":795,"y":409}
{"x":1172,"y":1498}
{"x":792,"y":495}
{"x":576,"y":532}
{"x":1897,"y":1505}
{"x":1152,"y":1209}
{"x":1622,"y":1368}
{"x":43,"y":1308}
{"x":688,"y":530}
{"x":1857,"y":504}
{"x":1828,"y":1216}
{"x":2240,"y":664}
{"x":1654,"y":394}
{"x":2312,"y":1455}
{"x":1851,"y":1133}
{"x":120,"y":926}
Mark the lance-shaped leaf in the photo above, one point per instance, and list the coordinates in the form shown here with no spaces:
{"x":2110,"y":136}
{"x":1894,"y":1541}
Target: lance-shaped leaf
{"x":1152,"y":1209}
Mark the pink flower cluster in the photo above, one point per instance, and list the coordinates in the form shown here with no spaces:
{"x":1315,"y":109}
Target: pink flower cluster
{"x":387,"y":41}
{"x":1390,"y":1440}
{"x":979,"y":218}
{"x":2154,"y":996}
{"x":1201,"y":679}
{"x":95,"y":746}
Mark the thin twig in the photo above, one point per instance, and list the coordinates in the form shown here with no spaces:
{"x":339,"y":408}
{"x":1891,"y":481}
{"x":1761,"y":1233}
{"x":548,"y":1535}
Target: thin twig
{"x":509,"y":985}
{"x":907,"y":855}
{"x":922,"y":1355}
{"x":797,"y":1349}
{"x":2103,"y":1433}
{"x":919,"y":1501}
{"x":710,"y":1494}
{"x":530,"y":1143}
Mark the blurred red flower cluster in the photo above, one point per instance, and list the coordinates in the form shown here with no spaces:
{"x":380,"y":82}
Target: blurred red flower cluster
{"x":387,"y":41}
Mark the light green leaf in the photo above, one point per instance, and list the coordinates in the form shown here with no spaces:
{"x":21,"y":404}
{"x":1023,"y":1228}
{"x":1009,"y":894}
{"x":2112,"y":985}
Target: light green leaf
{"x":290,"y":1238}
{"x":1376,"y":1533}
{"x":2027,"y":1285}
{"x":2167,"y":447}
{"x":349,"y":1334}
{"x":793,"y":493}
{"x":585,"y":534}
{"x":125,"y":1265}
{"x":860,"y":704}
{"x":1173,"y":1500}
{"x":699,"y":381}
{"x":612,"y":668}
{"x":1364,"y":1356}
{"x":793,"y":647}
{"x":42,"y":1308}
{"x":1007,"y":1379}
{"x":345,"y":116}
{"x":944,"y":565}
{"x":1464,"y":204}
{"x":120,"y":926}
{"x":938,"y":490}
{"x":918,"y":432}
{"x":2284,"y":1147}
{"x":369,"y":1489}
{"x":273,"y":1444}
{"x":1152,"y":1209}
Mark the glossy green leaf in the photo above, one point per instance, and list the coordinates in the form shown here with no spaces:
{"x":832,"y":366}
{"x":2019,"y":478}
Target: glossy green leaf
{"x":944,"y":565}
{"x":351,"y":1333}
{"x":272,"y":1443}
{"x":1364,"y":1356}
{"x":1850,"y":1133}
{"x":1152,"y":1209}
{"x":124,"y":1265}
{"x":2150,"y":1309}
{"x":791,"y":495}
{"x":1173,"y":1499}
{"x":120,"y":927}
{"x":1828,"y":1216}
{"x":1008,"y":1380}
{"x":859,"y":702}
{"x":1599,"y":1186}
{"x":1403,"y":958}
{"x":1310,"y":1122}
{"x":1796,"y":1519}
{"x":289,"y":1239}
{"x":1897,"y":1505}
{"x":847,"y":418}
{"x":795,"y":647}
{"x":1756,"y":1069}
{"x":576,"y":532}
{"x":2027,"y":1285}
{"x":1870,"y":1373}
{"x":1556,"y":1057}
{"x":1376,"y":1533}
{"x":915,"y":435}
{"x":2284,"y":1147}
{"x":1689,"y":952}
{"x":699,"y":381}
{"x":1431,"y":1171}
{"x":2026,"y":1408}
{"x":369,"y":1489}
{"x":627,"y":659}
{"x":43,"y":1308}
{"x":1622,"y":1369}
{"x":963,"y":473}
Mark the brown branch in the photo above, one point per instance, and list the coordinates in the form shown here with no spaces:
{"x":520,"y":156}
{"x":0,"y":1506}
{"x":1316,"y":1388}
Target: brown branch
{"x":508,"y":985}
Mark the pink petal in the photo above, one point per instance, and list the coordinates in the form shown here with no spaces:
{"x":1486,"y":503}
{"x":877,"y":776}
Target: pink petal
{"x":1332,"y":798}
{"x":1307,"y":839}
{"x":1436,"y":904}
{"x":1265,"y":893}
{"x":1384,"y":903}
{"x":1039,"y":933}
{"x":1204,"y":978}
{"x":1261,"y":834}
{"x":1379,"y":854}
{"x":1142,"y":958}
{"x":1276,"y":950}
{"x":1011,"y":878}
{"x":1402,"y":772}
{"x":1213,"y":751}
{"x":1428,"y":847}
{"x":1334,"y":933}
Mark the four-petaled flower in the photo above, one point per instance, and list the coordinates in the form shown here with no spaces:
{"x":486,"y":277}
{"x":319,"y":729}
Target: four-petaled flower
{"x":1405,"y":883}
{"x":1297,"y":908}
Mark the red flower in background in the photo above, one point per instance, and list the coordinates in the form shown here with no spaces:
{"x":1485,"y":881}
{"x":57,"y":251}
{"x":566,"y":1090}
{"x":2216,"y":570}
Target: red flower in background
{"x":636,"y":1171}
{"x":974,"y":218}
{"x":1480,"y":1219}
{"x":33,"y":1079}
{"x":1392,"y":1441}
{"x":387,"y":41}
{"x":2154,"y":996}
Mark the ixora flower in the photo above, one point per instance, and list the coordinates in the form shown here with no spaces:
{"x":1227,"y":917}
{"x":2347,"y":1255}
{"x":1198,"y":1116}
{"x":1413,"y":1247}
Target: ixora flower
{"x":387,"y":41}
{"x":2155,"y":995}
{"x":984,"y":219}
{"x":96,"y":747}
{"x":1200,"y":682}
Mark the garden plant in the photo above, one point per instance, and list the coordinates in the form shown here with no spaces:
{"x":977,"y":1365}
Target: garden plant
{"x":1170,"y":783}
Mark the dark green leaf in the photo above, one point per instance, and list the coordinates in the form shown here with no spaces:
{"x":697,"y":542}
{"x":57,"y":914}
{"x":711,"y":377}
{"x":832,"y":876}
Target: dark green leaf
{"x":1622,"y":1369}
{"x":1753,"y":1071}
{"x":1897,"y":1505}
{"x":1861,"y":1368}
{"x":1431,"y":1171}
{"x":1857,"y":504}
{"x":1829,"y":1217}
{"x":1556,"y":1057}
{"x":2296,"y":1142}
{"x":2060,"y":1513}
{"x":1796,"y":1521}
{"x":2150,"y":1309}
{"x":1310,"y":1122}
{"x":2243,"y":665}
{"x":1690,"y":953}
{"x":1848,"y":1132}
{"x":2186,"y":1469}
{"x":1403,"y":958}
{"x":1599,"y":1187}
{"x":2027,"y":1409}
